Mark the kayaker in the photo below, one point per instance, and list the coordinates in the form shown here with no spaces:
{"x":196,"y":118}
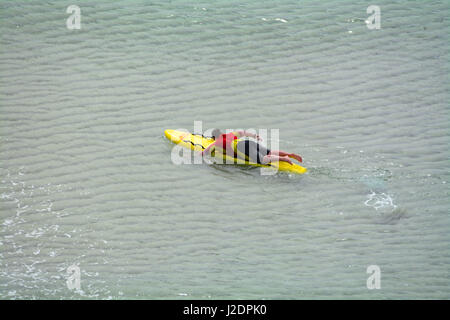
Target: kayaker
{"x":231,"y":145}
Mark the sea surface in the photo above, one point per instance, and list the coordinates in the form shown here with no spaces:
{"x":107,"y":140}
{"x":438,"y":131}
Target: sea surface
{"x":88,"y":182}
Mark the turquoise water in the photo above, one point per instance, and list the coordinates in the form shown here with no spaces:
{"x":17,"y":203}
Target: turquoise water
{"x":87,"y":177}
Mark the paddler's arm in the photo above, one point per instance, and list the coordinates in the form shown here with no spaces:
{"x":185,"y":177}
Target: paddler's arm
{"x":208,"y":148}
{"x":243,"y":133}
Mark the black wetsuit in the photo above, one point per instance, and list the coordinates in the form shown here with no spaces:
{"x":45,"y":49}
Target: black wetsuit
{"x":252,"y":150}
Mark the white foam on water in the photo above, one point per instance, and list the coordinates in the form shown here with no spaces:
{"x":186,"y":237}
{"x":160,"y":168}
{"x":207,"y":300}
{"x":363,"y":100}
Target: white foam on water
{"x":380,"y":201}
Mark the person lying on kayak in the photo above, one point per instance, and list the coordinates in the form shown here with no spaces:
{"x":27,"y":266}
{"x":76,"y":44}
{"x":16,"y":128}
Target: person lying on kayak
{"x":247,"y":149}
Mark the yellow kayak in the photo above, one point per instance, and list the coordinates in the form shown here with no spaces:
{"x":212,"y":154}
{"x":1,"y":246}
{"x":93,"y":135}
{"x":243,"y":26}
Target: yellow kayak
{"x":199,"y":143}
